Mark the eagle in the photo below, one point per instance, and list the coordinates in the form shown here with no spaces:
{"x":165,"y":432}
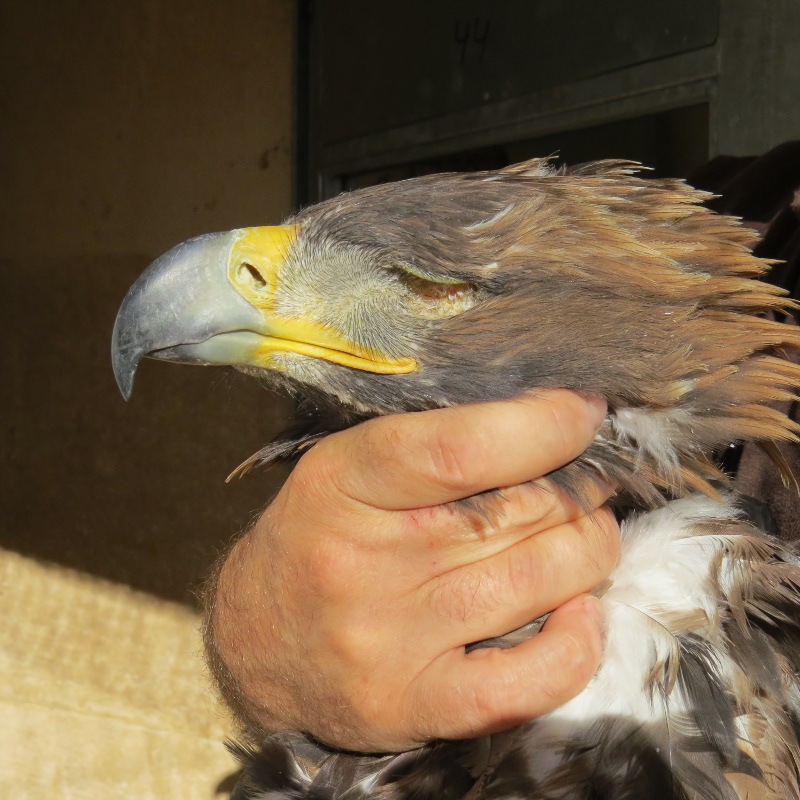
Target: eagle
{"x":464,"y":287}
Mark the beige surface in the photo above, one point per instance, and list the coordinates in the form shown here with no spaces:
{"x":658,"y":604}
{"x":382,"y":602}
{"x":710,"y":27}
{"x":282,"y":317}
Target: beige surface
{"x":102,"y":693}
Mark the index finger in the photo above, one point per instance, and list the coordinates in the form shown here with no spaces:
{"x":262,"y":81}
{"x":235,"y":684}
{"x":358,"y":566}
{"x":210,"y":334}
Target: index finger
{"x":433,"y":457}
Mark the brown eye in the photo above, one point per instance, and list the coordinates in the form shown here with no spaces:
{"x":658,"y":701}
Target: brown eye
{"x":433,"y":291}
{"x":433,"y":298}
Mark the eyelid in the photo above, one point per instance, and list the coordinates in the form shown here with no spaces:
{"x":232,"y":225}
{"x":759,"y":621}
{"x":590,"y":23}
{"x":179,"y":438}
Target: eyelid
{"x":430,"y":277}
{"x":434,"y":298}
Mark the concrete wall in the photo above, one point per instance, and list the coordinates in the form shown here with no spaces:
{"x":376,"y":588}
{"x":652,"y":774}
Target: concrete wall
{"x":127,"y":127}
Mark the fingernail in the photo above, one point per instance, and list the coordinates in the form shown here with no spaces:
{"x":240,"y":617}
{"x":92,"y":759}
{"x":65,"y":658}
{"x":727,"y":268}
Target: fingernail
{"x":597,"y":406}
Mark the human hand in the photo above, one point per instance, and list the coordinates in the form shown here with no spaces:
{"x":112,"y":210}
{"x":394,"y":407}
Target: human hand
{"x":345,"y":611}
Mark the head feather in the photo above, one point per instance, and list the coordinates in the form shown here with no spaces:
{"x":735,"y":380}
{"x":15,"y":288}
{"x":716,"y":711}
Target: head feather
{"x":593,"y":279}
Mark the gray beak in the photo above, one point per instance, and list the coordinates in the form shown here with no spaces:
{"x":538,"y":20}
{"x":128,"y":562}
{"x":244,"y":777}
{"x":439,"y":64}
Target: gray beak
{"x":178,"y":308}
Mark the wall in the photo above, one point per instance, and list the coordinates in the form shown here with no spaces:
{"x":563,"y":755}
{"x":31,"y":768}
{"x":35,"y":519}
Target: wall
{"x":127,"y":127}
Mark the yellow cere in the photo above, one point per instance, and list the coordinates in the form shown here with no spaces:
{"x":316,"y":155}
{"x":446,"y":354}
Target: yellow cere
{"x":255,"y":261}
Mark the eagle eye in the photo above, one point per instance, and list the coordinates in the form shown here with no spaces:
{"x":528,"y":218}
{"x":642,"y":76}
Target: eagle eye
{"x":437,"y":297}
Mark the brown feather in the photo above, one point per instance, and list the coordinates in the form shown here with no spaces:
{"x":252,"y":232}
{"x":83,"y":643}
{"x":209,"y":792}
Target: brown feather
{"x":658,"y":292}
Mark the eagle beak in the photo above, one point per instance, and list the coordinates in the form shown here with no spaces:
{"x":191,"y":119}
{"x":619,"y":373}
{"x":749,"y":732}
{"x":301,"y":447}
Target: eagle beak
{"x":212,"y":300}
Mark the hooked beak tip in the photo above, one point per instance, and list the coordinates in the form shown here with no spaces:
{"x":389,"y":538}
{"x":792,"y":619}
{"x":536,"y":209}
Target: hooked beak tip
{"x":125,"y":355}
{"x":183,"y":297}
{"x":126,"y":389}
{"x":124,"y":372}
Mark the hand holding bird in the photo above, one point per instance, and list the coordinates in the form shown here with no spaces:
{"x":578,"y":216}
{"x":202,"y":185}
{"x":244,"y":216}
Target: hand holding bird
{"x":370,"y":567}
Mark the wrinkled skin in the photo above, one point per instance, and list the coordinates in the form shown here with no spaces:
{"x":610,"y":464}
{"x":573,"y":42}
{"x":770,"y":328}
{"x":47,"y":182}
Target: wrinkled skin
{"x":344,"y":612}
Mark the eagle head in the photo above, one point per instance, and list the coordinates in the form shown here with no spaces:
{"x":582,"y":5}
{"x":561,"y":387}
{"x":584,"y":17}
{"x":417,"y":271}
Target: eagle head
{"x":458,"y":288}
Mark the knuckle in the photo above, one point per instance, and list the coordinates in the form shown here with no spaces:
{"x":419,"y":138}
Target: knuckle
{"x":545,"y":499}
{"x":590,"y":549}
{"x":609,"y":528}
{"x":466,"y":596}
{"x":562,"y":425}
{"x":347,"y":643}
{"x":317,"y":473}
{"x":525,"y":575}
{"x":603,"y":539}
{"x":613,"y":536}
{"x":491,"y":699}
{"x":451,"y":460}
{"x":574,"y":420}
{"x":454,"y":598}
{"x":537,"y":502}
{"x":383,"y":437}
{"x":331,"y":568}
{"x":476,"y":517}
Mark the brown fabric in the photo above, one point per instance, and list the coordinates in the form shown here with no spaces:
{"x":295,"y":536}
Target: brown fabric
{"x":765,"y":192}
{"x":102,"y":692}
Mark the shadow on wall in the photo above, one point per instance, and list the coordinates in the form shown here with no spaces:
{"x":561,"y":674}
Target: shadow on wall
{"x":134,"y":127}
{"x":134,"y":492}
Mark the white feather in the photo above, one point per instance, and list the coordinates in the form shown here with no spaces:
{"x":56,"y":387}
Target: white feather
{"x":652,"y":433}
{"x":665,"y":568}
{"x":490,"y":220}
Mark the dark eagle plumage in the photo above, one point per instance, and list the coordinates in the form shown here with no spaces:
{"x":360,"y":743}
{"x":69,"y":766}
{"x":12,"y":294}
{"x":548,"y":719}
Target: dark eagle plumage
{"x":598,"y":280}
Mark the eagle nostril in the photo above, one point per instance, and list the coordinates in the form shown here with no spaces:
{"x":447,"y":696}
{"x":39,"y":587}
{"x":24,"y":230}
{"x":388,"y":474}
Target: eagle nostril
{"x":248,"y":275}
